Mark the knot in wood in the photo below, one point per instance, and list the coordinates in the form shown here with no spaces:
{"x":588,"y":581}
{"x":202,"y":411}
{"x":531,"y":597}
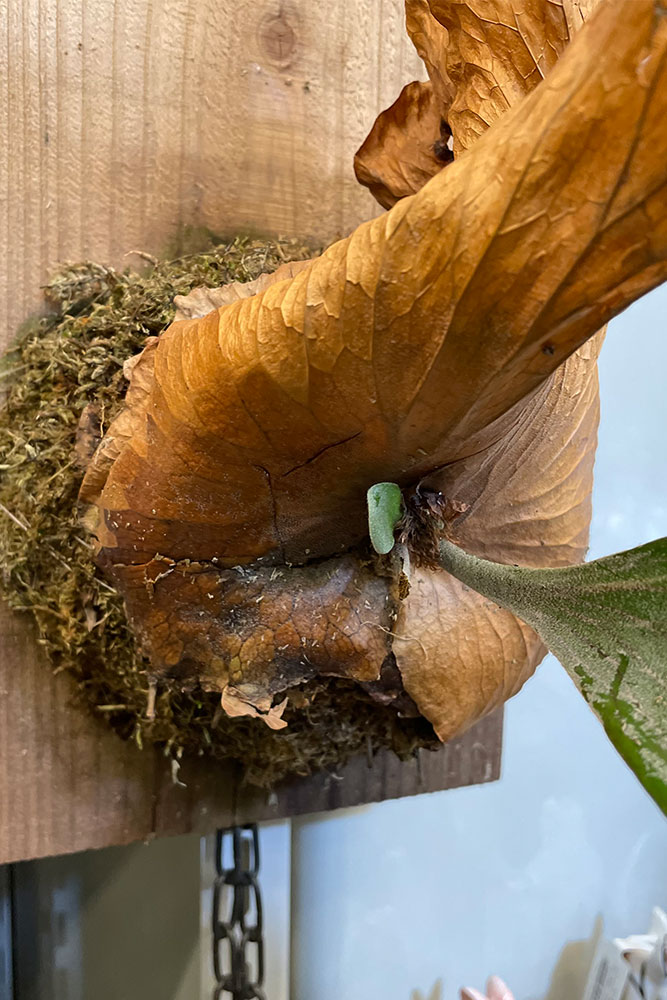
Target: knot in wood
{"x":277,"y":37}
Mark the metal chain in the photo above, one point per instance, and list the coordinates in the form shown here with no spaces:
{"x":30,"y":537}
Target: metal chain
{"x":238,"y":945}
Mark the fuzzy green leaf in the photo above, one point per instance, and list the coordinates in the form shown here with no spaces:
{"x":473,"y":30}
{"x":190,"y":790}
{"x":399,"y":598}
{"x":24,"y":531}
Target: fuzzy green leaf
{"x":606,"y":621}
{"x":385,"y":507}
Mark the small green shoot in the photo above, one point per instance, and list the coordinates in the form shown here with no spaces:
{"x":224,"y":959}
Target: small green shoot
{"x":385,"y":509}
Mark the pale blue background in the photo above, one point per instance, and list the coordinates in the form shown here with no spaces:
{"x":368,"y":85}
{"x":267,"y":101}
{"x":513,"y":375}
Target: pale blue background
{"x":496,"y":878}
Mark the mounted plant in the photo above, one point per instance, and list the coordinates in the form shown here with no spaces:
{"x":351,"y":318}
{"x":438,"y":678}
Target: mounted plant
{"x":446,"y":351}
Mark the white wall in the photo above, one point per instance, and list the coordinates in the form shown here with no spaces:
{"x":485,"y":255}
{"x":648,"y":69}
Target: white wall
{"x":463,"y":883}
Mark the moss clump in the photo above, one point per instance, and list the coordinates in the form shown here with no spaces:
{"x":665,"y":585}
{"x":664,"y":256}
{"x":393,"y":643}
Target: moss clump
{"x":58,"y":365}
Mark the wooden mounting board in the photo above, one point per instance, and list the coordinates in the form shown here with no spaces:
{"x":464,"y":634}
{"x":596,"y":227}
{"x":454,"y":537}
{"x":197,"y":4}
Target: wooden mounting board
{"x":67,"y":782}
{"x":123,"y":124}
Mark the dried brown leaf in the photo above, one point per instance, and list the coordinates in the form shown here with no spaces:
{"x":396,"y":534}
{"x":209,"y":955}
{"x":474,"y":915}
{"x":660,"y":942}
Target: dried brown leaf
{"x":399,"y":155}
{"x":529,"y":496}
{"x":202,"y":300}
{"x":393,"y":352}
{"x":408,"y":143}
{"x":578,"y":11}
{"x":139,"y":372}
{"x":423,"y":345}
{"x":482,"y":56}
{"x":88,"y":435}
{"x":261,"y":629}
{"x":497,"y":52}
{"x":431,"y":42}
{"x":234,"y":703}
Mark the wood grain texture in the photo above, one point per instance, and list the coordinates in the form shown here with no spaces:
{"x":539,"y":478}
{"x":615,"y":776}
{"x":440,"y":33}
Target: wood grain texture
{"x":121,"y":123}
{"x":68,"y":783}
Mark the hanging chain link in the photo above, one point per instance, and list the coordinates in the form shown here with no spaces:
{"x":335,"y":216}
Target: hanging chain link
{"x":238,"y":945}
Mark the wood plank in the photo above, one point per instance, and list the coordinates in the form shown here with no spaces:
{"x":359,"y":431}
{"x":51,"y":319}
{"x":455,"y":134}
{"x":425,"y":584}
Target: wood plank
{"x":124,"y":121}
{"x":472,"y":759}
{"x":68,"y":783}
{"x":66,"y":780}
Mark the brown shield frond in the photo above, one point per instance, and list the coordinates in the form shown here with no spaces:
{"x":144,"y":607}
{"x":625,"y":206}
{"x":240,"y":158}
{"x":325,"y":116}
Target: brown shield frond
{"x":529,"y":503}
{"x":481,"y":58}
{"x":406,"y":146}
{"x":497,"y":52}
{"x":427,"y":346}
